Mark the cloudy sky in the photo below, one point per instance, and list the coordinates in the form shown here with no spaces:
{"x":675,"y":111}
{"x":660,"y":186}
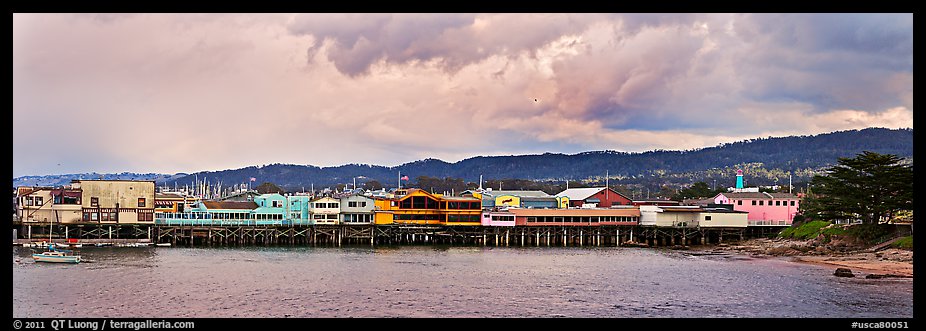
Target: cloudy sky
{"x":191,"y":92}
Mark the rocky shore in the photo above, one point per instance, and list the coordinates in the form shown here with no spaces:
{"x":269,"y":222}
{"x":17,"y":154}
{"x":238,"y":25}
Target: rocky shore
{"x":887,"y":263}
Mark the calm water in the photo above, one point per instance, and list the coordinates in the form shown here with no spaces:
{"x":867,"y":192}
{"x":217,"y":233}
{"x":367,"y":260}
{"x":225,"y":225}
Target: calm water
{"x":441,"y":282}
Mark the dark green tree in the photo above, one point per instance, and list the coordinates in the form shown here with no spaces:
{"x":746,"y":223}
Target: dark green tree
{"x":695,"y":191}
{"x":372,"y":185}
{"x":869,"y":187}
{"x":267,"y":187}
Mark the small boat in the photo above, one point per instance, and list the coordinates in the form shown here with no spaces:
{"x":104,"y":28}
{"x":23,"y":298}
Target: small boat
{"x":56,"y":255}
{"x":162,"y":244}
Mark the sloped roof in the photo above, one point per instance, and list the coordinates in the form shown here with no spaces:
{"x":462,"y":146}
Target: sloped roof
{"x":230,"y":204}
{"x":783,"y":195}
{"x":758,"y":195}
{"x":580,"y":193}
{"x":576,"y":212}
{"x":746,"y":195}
{"x":547,"y":198}
{"x":532,"y":193}
{"x":168,"y":196}
{"x":584,"y":193}
{"x":460,"y":199}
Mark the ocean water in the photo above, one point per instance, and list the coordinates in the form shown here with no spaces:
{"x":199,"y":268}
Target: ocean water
{"x":441,"y":281}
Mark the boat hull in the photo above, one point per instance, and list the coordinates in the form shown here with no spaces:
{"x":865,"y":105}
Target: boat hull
{"x":56,"y":259}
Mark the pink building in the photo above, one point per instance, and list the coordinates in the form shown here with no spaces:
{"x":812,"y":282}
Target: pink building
{"x":497,"y":218}
{"x":763,"y":208}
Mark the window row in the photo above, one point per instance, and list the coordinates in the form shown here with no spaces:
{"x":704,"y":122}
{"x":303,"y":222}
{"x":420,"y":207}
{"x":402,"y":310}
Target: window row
{"x":579,"y":219}
{"x":762,"y":202}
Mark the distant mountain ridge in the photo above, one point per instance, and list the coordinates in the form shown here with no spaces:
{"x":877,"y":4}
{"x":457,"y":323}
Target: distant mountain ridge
{"x":58,"y":180}
{"x":787,"y":154}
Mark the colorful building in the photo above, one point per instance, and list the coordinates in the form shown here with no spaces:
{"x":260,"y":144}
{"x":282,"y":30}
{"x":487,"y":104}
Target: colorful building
{"x":763,"y":208}
{"x":299,"y":206}
{"x":497,"y":218}
{"x":173,"y":202}
{"x":597,"y":196}
{"x":576,"y":217}
{"x":417,"y":206}
{"x":271,"y":208}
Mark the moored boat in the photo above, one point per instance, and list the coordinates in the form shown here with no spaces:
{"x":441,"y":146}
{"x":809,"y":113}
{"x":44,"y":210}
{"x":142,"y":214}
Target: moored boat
{"x":56,"y":255}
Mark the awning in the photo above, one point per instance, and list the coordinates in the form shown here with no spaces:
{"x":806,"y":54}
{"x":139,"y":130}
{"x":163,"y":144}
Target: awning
{"x":66,"y":193}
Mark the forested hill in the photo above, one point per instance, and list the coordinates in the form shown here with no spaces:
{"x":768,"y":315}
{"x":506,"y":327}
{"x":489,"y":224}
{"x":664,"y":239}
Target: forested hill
{"x":792,"y":153}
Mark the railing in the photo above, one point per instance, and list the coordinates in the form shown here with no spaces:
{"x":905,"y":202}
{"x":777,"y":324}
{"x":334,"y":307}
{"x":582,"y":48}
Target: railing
{"x":208,"y":219}
{"x":768,"y":223}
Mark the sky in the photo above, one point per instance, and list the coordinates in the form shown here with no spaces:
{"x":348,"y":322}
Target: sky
{"x":170,"y":93}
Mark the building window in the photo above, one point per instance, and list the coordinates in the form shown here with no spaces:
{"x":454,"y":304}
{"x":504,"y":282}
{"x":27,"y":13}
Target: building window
{"x":94,"y":202}
{"x":363,"y":204}
{"x":333,"y":205}
{"x":753,"y":202}
{"x":38,"y":201}
{"x":352,"y":203}
{"x":740,"y":202}
{"x":761,"y":203}
{"x":86,"y":216}
{"x":276,"y":204}
{"x":778,"y":203}
{"x":94,"y":216}
{"x":707,"y":218}
{"x":141,"y":202}
{"x":792,"y":202}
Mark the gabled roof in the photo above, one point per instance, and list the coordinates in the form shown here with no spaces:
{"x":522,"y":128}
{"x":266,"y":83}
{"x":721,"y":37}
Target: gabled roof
{"x":230,"y":204}
{"x":580,"y":193}
{"x":585,"y":193}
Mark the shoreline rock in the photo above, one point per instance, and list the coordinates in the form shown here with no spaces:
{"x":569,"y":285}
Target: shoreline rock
{"x":843,"y":272}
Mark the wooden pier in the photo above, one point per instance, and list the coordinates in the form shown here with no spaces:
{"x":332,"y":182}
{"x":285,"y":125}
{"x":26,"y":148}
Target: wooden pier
{"x":338,"y":235}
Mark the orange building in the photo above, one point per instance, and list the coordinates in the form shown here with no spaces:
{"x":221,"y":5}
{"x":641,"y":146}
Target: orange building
{"x":420,"y":207}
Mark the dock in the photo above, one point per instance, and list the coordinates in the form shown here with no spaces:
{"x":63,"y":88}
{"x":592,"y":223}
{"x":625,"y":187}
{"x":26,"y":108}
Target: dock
{"x":372,"y":235}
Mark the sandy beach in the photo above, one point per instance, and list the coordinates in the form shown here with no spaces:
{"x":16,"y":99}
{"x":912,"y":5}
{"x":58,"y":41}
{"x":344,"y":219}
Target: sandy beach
{"x":891,"y":261}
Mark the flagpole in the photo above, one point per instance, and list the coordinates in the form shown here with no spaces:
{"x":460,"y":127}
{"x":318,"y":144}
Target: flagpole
{"x":400,"y":179}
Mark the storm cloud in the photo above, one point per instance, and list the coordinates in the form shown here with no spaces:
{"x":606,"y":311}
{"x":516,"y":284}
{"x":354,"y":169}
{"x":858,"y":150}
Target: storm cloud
{"x":190,"y":92}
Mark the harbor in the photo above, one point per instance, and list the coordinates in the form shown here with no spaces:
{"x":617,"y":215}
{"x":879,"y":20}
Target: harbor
{"x":443,"y":281}
{"x":373,"y":235}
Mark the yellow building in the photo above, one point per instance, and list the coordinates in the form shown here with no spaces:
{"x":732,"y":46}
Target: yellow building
{"x":420,"y":207}
{"x":117,"y":201}
{"x":172,"y":202}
